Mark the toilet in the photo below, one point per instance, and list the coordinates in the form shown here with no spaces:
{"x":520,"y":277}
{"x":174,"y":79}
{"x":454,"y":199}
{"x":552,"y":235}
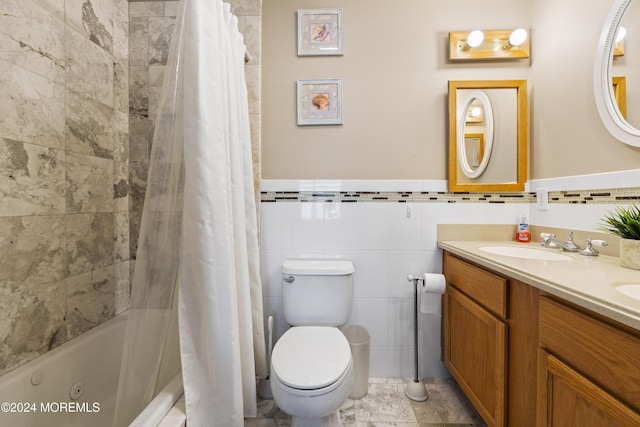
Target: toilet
{"x":311,"y":364}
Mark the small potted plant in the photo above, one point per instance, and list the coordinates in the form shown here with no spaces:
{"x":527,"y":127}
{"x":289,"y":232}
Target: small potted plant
{"x":625,"y":223}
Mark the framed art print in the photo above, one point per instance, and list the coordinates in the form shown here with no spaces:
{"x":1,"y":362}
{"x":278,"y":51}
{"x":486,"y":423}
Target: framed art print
{"x":319,"y":32}
{"x":319,"y":102}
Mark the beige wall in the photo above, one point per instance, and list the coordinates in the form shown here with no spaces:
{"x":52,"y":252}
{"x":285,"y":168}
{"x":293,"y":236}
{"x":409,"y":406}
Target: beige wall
{"x":395,"y":75}
{"x":568,"y":135}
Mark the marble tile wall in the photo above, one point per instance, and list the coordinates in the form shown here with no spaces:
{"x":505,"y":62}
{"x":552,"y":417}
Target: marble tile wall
{"x":151,"y":26}
{"x":150,"y":29}
{"x":64,"y":181}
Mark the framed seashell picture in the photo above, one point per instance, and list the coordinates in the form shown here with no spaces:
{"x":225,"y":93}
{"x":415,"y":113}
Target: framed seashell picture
{"x":319,"y":102}
{"x":319,"y":32}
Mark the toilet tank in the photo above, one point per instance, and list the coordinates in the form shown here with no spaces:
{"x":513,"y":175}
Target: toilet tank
{"x":317,"y":292}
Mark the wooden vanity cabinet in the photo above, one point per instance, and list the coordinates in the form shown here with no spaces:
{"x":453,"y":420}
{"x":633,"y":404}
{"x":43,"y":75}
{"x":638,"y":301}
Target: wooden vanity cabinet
{"x":490,"y":341}
{"x":589,"y":368}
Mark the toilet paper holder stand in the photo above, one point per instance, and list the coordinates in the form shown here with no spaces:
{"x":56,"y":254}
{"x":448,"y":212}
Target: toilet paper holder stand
{"x":415,"y":390}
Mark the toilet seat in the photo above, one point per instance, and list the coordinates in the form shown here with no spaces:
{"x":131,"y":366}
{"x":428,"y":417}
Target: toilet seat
{"x":311,"y":357}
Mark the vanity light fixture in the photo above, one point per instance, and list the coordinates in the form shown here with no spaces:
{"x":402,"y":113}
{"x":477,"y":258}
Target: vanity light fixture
{"x":475,"y":39}
{"x":488,"y":44}
{"x":516,"y":38}
{"x":475,"y":114}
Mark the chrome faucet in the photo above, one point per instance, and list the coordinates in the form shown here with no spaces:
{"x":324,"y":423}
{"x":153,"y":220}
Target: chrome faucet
{"x":546,"y":241}
{"x":550,"y":241}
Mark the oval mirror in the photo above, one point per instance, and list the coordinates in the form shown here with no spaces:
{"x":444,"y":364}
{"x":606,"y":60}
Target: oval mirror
{"x":619,"y":115}
{"x":488,"y":135}
{"x":475,"y":134}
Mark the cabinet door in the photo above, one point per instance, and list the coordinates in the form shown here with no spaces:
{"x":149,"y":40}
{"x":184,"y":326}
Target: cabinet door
{"x":568,"y":399}
{"x":602,"y":351}
{"x":475,"y":354}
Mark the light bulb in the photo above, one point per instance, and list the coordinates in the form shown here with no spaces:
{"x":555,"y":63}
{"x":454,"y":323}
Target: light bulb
{"x":518,"y":37}
{"x":475,"y":38}
{"x":621,"y":33}
{"x":475,"y":112}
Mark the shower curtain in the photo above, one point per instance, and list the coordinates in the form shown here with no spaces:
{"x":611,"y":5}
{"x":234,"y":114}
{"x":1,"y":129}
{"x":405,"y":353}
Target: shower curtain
{"x":199,"y":233}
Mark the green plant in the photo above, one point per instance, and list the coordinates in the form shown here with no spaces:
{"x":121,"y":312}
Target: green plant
{"x":623,"y":222}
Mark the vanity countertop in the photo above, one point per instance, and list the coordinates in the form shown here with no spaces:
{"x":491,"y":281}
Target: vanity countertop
{"x":586,"y":281}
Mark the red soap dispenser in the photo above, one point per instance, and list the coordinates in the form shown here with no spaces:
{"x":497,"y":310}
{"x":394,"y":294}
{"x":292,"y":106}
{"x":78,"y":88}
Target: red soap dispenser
{"x":523,"y":234}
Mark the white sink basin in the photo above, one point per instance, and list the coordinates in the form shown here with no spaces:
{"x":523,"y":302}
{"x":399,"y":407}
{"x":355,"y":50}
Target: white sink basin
{"x":630,"y":289}
{"x":527,"y":253}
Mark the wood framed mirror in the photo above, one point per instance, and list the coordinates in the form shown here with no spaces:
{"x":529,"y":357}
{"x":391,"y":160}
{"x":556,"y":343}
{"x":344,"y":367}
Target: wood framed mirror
{"x":501,"y":162}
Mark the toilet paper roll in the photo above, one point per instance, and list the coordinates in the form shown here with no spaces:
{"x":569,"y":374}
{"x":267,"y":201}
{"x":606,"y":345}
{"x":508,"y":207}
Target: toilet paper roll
{"x":431,"y":296}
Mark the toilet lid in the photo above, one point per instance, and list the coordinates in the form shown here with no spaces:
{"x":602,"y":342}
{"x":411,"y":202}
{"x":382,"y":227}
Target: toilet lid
{"x":310,"y":357}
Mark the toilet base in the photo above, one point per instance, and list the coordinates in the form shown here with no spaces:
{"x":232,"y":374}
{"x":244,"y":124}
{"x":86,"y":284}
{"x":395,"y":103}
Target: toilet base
{"x":331,"y":420}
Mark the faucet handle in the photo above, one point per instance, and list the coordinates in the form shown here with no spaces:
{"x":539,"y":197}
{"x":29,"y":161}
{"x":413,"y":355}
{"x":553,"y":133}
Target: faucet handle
{"x":546,"y":238}
{"x":589,"y":250}
{"x":547,"y":241}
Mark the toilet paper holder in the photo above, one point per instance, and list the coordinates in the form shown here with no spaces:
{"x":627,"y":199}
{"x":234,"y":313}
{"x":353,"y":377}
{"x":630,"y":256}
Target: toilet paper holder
{"x":415,"y":279}
{"x":415,"y":390}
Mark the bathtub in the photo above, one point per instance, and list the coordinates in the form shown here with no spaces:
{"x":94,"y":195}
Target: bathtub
{"x":75,"y":384}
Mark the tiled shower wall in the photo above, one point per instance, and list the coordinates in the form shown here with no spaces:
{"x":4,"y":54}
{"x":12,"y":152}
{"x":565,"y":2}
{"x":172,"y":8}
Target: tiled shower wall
{"x":72,"y":183}
{"x":64,"y":234}
{"x":151,"y":28}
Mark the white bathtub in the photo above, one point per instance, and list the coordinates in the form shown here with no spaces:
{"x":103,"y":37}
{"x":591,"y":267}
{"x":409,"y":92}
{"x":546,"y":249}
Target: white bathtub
{"x":75,"y":384}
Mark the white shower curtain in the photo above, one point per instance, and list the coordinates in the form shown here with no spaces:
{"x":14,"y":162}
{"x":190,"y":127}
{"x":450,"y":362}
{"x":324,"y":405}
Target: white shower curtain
{"x":220,"y":299}
{"x":199,"y":230}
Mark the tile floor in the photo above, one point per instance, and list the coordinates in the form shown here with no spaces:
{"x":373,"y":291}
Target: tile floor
{"x":386,"y":405}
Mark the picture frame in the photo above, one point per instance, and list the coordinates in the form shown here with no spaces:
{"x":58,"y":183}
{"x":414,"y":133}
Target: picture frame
{"x":319,"y":102}
{"x":319,"y":32}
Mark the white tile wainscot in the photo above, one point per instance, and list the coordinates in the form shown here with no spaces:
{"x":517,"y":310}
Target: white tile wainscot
{"x":385,"y":245}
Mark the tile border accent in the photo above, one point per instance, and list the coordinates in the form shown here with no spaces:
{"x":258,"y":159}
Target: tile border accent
{"x":347,"y":191}
{"x":601,"y":196}
{"x":393,"y":196}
